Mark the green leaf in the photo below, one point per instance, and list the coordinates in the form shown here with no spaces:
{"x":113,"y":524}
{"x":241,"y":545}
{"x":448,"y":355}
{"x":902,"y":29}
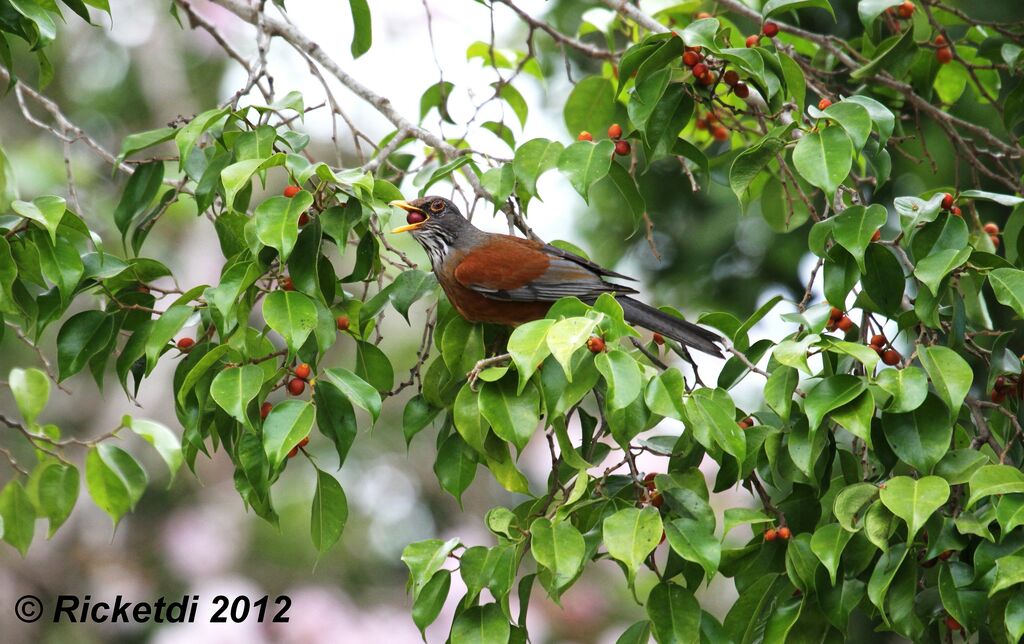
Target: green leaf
{"x":284,"y":428}
{"x":590,"y":106}
{"x":827,"y":544}
{"x":481,"y":625}
{"x":622,"y":373}
{"x":851,"y":503}
{"x":932,"y":269}
{"x":81,"y":337}
{"x":884,"y":571}
{"x":914,"y":500}
{"x":161,"y":438}
{"x":513,"y":416}
{"x":1008,"y":284}
{"x":142,"y":140}
{"x":694,"y":541}
{"x":829,"y":394}
{"x":236,"y":176}
{"x":57,"y":490}
{"x":743,"y":516}
{"x":46,"y":211}
{"x":424,"y":558}
{"x":621,"y":190}
{"x":854,"y":228}
{"x":17,"y":516}
{"x":357,"y":390}
{"x":455,"y":466}
{"x":670,"y":116}
{"x":114,"y":480}
{"x":329,"y":513}
{"x":852,"y":117}
{"x":824,"y":158}
{"x":277,"y":221}
{"x":674,"y":613}
{"x":31,"y":390}
{"x":949,"y":373}
{"x":234,"y":388}
{"x":630,"y":535}
{"x":534,"y":158}
{"x":186,"y":137}
{"x":994,"y":479}
{"x":749,"y":163}
{"x":773,"y":7}
{"x":139,"y":192}
{"x":362,"y":31}
{"x":292,"y":315}
{"x":1001,"y":199}
{"x":1009,"y":572}
{"x":373,"y":366}
{"x":163,"y":330}
{"x":584,"y":163}
{"x":560,"y":548}
{"x":430,"y":600}
{"x":922,"y":437}
{"x":714,"y":421}
{"x":528,"y":347}
{"x":567,"y":336}
{"x":908,"y":388}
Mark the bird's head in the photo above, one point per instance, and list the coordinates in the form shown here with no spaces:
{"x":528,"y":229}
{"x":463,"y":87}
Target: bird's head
{"x":435,"y":222}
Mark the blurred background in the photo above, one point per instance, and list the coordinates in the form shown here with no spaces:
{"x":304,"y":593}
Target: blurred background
{"x":141,"y":71}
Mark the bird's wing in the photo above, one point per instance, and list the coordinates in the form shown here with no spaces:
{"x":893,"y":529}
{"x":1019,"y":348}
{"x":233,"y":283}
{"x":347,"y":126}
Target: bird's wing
{"x":520,"y":270}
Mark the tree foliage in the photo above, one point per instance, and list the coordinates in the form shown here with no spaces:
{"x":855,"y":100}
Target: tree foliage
{"x":884,"y":456}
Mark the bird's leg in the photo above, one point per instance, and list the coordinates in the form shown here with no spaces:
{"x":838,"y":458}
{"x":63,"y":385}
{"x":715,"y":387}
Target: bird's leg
{"x":485,"y":363}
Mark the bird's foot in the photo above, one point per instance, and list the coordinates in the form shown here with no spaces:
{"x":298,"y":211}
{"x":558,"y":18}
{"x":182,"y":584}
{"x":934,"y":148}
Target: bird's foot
{"x":486,"y":363}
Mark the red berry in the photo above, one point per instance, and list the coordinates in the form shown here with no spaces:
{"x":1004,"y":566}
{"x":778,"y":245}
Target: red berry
{"x":824,"y":104}
{"x":955,"y":210}
{"x":952,"y":624}
{"x":991,"y":229}
{"x":302,"y":371}
{"x":845,"y":323}
{"x":878,"y":235}
{"x":415,"y":217}
{"x":752,"y":41}
{"x":615,"y":131}
{"x":770,"y":29}
{"x":892,"y":357}
{"x":1000,"y":383}
{"x":291,"y":191}
{"x":293,"y":451}
{"x":906,"y":9}
{"x":657,"y":500}
{"x":691,"y":58}
{"x":658,"y":339}
{"x":945,"y":555}
{"x":700,"y":69}
{"x":994,"y":240}
{"x":771,"y":534}
{"x":784,"y":533}
{"x":595,"y":344}
{"x":741,"y":90}
{"x":997,"y":396}
{"x":287,"y":284}
{"x":265,"y":410}
{"x":622,"y":148}
{"x":731,"y":78}
{"x":947,"y":201}
{"x":940,"y":40}
{"x":878,"y":340}
{"x":304,"y":441}
{"x":649,"y":480}
{"x":703,"y":15}
{"x":836,"y":314}
{"x":746,"y":423}
{"x":184,"y":344}
{"x":342,"y":322}
{"x":707,"y":80}
{"x":585,"y":136}
{"x":303,"y":219}
{"x":720,"y":133}
{"x":700,"y":124}
{"x":296,"y":386}
{"x":944,"y":55}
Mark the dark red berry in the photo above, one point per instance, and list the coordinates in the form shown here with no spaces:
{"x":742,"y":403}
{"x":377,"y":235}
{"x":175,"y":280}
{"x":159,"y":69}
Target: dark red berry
{"x":296,"y":386}
{"x":700,"y":69}
{"x":658,"y":339}
{"x":265,"y":410}
{"x":770,"y":29}
{"x":878,"y":340}
{"x":731,"y":78}
{"x":691,"y":58}
{"x":947,"y":201}
{"x":952,"y":624}
{"x":707,"y":80}
{"x":892,"y":357}
{"x":595,"y":344}
{"x":944,"y":55}
{"x":876,"y":236}
{"x":287,"y":284}
{"x":303,"y":219}
{"x":622,"y":148}
{"x":741,"y":89}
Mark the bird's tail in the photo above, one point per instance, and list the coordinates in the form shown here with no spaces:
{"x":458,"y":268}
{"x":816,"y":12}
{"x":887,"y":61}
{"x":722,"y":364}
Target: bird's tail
{"x":690,"y":334}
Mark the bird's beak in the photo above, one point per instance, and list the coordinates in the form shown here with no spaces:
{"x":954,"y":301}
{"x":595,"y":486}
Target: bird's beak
{"x":408,"y":207}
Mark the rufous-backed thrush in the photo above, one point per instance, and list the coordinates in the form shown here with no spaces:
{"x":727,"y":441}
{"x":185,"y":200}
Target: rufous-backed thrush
{"x":508,"y":280}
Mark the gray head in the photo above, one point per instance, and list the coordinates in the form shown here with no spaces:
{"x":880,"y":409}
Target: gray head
{"x":437,"y":224}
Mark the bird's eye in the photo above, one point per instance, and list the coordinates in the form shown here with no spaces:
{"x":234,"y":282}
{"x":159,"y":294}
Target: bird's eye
{"x":436,"y":205}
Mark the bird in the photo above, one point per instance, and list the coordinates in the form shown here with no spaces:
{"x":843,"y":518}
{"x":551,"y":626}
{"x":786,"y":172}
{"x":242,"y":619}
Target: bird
{"x":509,"y":280}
